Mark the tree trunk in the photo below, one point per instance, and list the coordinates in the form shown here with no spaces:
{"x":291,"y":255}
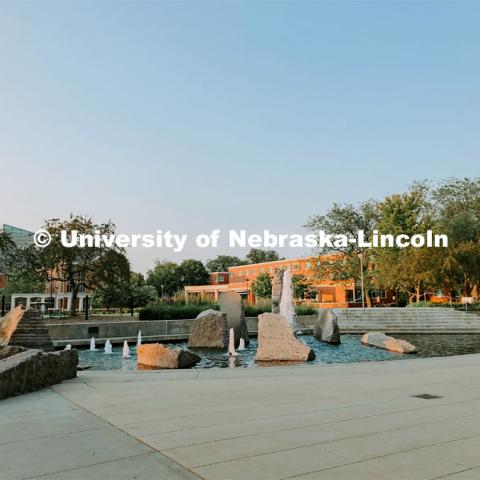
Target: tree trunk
{"x":418,"y":295}
{"x":475,"y":290}
{"x":73,"y":306}
{"x":368,"y":299}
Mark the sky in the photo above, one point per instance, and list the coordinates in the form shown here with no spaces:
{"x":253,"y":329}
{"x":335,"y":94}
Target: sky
{"x":190,"y":116}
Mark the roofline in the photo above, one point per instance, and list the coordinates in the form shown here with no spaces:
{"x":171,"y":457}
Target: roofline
{"x":275,"y":261}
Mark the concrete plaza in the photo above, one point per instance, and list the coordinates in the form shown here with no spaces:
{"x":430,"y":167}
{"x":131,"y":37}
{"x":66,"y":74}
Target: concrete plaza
{"x":350,"y":421}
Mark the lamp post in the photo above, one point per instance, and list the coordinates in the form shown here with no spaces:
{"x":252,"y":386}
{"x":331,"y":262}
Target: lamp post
{"x":360,"y":256}
{"x":247,"y":289}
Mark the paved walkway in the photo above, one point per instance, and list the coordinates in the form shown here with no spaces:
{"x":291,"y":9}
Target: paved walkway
{"x":351,"y":421}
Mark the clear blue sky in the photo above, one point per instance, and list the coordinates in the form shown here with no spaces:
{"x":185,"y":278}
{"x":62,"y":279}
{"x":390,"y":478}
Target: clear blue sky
{"x":199,"y":115}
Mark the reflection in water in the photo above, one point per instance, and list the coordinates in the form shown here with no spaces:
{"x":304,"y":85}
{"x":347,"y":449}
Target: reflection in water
{"x":350,"y":350}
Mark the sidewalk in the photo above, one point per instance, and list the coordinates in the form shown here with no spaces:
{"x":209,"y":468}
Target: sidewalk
{"x":342,"y":421}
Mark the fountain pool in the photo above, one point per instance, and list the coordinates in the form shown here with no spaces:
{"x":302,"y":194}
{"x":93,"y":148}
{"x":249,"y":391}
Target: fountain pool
{"x":350,"y":350}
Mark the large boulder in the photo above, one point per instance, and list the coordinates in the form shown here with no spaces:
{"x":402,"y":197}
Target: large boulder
{"x":156,"y":355}
{"x":326,"y":327}
{"x":231,"y":303}
{"x":380,"y":340}
{"x":25,"y":370}
{"x":209,"y":330}
{"x":277,"y":285}
{"x":277,"y":343}
{"x":8,"y":324}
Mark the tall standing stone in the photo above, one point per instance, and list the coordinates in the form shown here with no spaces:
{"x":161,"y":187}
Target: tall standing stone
{"x":277,"y":283}
{"x":277,"y":343}
{"x":231,"y":303}
{"x":326,"y":327}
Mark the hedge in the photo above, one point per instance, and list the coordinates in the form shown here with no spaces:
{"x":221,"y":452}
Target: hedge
{"x":167,"y":311}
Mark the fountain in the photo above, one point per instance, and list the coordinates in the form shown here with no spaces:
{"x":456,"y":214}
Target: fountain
{"x":231,"y":344}
{"x":287,"y":309}
{"x":108,"y":347}
{"x":139,"y":338}
{"x":241,"y":345}
{"x":92,"y":344}
{"x":126,"y":350}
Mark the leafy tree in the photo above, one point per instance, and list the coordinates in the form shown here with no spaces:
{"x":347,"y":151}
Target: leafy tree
{"x":144,"y":295}
{"x":457,"y":203}
{"x":222,"y":263}
{"x":165,"y":278}
{"x":342,"y":263}
{"x":302,"y":286}
{"x":408,"y":270}
{"x":262,"y":286}
{"x":192,"y":272}
{"x":77,"y":266}
{"x":258,"y":255}
{"x":113,"y":287}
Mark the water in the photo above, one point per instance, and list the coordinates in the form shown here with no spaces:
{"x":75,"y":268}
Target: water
{"x":231,"y":343}
{"x":108,"y":348}
{"x":350,"y":350}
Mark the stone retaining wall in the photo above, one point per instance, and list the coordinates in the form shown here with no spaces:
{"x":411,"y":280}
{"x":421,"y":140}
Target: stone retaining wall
{"x":152,"y":330}
{"x":23,"y":370}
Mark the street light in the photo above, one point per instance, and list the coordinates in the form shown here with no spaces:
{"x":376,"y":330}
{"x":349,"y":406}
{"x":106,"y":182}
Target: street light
{"x":360,"y":256}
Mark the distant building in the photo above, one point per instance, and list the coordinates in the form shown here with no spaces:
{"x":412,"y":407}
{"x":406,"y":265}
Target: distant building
{"x":327,"y":293}
{"x":22,"y":238}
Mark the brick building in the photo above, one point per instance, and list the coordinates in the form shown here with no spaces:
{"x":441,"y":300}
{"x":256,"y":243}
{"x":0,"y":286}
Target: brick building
{"x":327,"y":292}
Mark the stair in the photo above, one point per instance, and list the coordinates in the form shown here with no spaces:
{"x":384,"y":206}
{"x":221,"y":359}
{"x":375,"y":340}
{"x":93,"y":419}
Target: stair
{"x":406,"y":320}
{"x":32,"y":332}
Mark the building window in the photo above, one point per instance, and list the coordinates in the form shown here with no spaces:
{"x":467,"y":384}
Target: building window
{"x":378,"y":293}
{"x":221,"y":278}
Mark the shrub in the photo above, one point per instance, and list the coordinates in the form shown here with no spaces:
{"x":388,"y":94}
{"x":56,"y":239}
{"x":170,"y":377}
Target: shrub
{"x":169,"y":311}
{"x":172,"y":311}
{"x":304,"y":310}
{"x":255,"y":310}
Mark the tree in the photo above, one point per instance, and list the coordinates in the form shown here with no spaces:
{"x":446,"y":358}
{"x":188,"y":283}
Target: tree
{"x":165,"y":278}
{"x":113,"y":286}
{"x":302,"y":286}
{"x":408,"y":270}
{"x":222,"y":263}
{"x":262,"y":286}
{"x":76,"y":265}
{"x":342,"y":263}
{"x":457,"y":203}
{"x":143,"y":295}
{"x":192,"y":272}
{"x":257,"y":255}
